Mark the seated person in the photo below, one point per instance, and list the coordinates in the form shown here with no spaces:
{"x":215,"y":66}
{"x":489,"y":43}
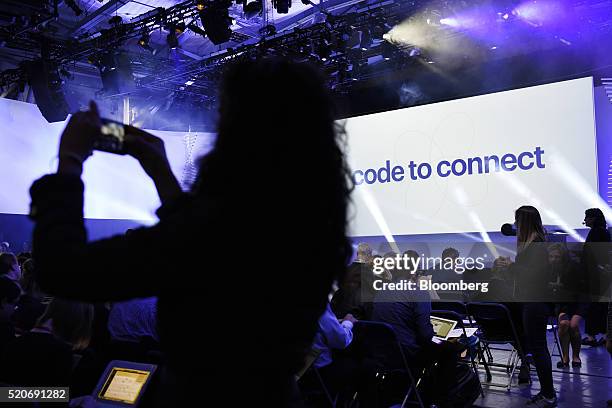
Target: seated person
{"x":9,"y":266}
{"x":44,"y":356}
{"x":134,"y":320}
{"x":9,"y":296}
{"x":567,"y":280}
{"x":31,"y":304}
{"x":336,"y":371}
{"x":409,"y":312}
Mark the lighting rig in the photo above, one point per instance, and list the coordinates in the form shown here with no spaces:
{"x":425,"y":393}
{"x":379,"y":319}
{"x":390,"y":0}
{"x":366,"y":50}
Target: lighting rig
{"x":326,"y":44}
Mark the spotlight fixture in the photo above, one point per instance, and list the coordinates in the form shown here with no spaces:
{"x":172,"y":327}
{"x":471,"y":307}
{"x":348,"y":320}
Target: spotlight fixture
{"x":171,"y":38}
{"x":281,"y":6}
{"x":74,"y":7}
{"x":143,"y":42}
{"x":388,"y":50}
{"x":200,"y":5}
{"x":366,"y":40}
{"x":115,"y":20}
{"x":65,"y":73}
{"x":252,"y":9}
{"x":268,"y":30}
{"x":217,"y":22}
{"x":179,"y":28}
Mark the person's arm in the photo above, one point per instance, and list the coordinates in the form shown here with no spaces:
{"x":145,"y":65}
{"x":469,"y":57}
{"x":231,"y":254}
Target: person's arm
{"x":116,"y":268}
{"x":338,"y":335}
{"x":422,"y":318}
{"x":111,"y":269}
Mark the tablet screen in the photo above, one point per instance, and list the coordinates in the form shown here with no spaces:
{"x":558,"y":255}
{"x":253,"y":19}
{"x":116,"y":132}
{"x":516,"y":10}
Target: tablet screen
{"x":442,"y":327}
{"x":124,"y":385}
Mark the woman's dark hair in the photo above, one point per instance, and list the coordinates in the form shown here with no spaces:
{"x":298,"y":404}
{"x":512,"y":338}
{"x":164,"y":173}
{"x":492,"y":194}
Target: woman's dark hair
{"x":9,"y":291}
{"x":28,"y":279}
{"x":279,"y":149}
{"x":599,"y":221}
{"x":8,"y":261}
{"x":528,"y":226}
{"x":71,"y":321}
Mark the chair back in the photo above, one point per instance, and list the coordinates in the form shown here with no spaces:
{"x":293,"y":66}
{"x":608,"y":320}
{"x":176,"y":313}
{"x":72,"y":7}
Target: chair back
{"x":309,"y":360}
{"x":495,"y":323}
{"x":379,"y":345}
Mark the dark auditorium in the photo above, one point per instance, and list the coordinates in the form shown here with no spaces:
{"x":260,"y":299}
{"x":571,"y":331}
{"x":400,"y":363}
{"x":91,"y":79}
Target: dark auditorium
{"x":305,"y":204}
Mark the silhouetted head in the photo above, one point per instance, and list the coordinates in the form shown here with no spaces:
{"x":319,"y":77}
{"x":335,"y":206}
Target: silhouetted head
{"x":69,"y":321}
{"x":528,"y":226}
{"x":594,"y":218}
{"x":364,"y":252}
{"x":279,"y":151}
{"x":9,"y":266}
{"x":9,"y":296}
{"x":450,"y":254}
{"x":557,"y":254}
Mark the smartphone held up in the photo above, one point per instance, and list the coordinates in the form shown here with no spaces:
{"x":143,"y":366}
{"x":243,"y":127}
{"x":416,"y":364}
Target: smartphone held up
{"x":111,"y":138}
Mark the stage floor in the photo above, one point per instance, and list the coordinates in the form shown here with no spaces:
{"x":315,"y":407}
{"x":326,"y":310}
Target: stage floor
{"x":589,"y":386}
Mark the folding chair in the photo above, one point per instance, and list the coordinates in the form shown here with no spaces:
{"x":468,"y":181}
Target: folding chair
{"x":451,"y":315}
{"x":379,"y":344}
{"x":496,"y":327}
{"x":309,"y":360}
{"x":554,"y":327}
{"x":457,"y":307}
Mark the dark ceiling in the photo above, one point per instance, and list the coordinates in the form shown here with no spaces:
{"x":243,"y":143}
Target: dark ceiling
{"x":437,"y":50}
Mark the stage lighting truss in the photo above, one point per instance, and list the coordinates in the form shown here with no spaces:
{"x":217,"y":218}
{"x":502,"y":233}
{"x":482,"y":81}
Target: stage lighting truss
{"x":325,"y":43}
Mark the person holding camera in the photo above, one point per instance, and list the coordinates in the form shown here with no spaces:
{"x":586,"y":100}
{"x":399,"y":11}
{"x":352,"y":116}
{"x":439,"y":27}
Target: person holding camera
{"x":284,"y":183}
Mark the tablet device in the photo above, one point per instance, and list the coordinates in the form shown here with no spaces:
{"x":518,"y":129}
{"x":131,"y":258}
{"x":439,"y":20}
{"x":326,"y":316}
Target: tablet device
{"x":123,"y":384}
{"x":442,"y":327}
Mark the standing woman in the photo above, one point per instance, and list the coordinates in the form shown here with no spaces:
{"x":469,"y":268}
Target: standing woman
{"x":594,"y":254}
{"x":531,"y":277}
{"x":272,"y":174}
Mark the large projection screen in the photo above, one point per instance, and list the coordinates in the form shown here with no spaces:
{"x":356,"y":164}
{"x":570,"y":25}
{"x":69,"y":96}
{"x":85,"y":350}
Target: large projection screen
{"x":116,"y":187}
{"x":556,"y":119}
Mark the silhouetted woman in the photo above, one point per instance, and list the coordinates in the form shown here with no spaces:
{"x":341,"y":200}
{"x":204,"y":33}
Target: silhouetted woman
{"x":531,"y":274}
{"x":276,"y":178}
{"x":594,"y":254}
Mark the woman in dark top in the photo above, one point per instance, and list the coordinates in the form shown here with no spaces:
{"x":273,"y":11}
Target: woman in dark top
{"x":595,"y":253}
{"x":276,"y":175}
{"x":43,"y":356}
{"x":531,"y":284}
{"x":568,"y":283}
{"x":31,"y":304}
{"x":9,"y":296}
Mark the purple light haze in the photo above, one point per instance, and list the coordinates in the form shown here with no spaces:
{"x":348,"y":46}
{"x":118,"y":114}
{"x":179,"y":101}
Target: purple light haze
{"x":541,"y":12}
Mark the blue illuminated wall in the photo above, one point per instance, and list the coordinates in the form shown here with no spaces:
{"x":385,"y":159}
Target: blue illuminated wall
{"x":603,"y":119}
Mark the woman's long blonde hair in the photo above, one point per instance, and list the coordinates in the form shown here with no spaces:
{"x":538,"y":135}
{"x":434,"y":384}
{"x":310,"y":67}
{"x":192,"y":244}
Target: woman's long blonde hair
{"x":528,"y":227}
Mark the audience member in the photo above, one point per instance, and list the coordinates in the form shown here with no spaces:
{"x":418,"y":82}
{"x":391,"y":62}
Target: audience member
{"x":595,"y":254}
{"x":133,"y":320}
{"x":9,"y":296}
{"x":409,"y":313}
{"x":9,"y":266}
{"x":335,"y":370}
{"x":31,"y":304}
{"x":349,"y":298}
{"x":238,"y":189}
{"x":531,"y":270}
{"x":43,"y":357}
{"x":567,"y":278}
{"x":22,"y":257}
